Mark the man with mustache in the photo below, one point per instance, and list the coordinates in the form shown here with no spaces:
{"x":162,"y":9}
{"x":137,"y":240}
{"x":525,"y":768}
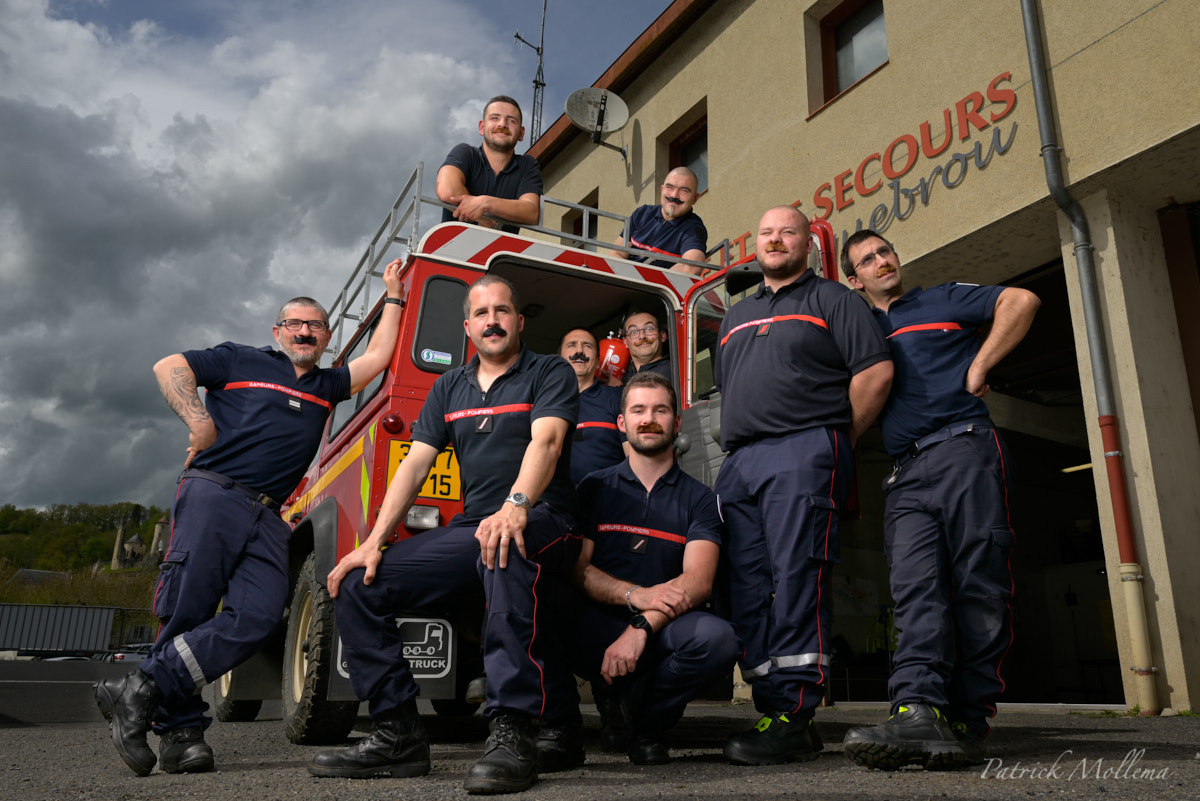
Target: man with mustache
{"x":670,"y":228}
{"x":947,"y":531}
{"x":491,"y":179}
{"x":646,"y":338}
{"x":598,"y":442}
{"x":652,"y":540}
{"x":507,"y":412}
{"x":803,"y":370}
{"x":249,"y":443}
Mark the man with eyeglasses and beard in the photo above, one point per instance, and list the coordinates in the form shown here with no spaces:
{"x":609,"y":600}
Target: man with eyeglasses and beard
{"x":492,"y":179}
{"x":947,"y":528}
{"x":646,"y":339}
{"x":250,"y":442}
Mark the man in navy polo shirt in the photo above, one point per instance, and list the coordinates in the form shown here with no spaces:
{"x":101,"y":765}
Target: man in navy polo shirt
{"x":491,"y":179}
{"x":598,"y":442}
{"x":947,"y":530}
{"x":653,"y":538}
{"x":646,"y":339}
{"x":803,"y":370}
{"x":508,"y":413}
{"x":670,"y":228}
{"x":250,"y":442}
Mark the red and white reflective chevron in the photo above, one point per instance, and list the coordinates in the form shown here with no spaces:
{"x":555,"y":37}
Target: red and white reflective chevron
{"x":475,"y":245}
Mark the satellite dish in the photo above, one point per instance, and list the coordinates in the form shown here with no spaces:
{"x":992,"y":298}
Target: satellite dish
{"x":597,"y":111}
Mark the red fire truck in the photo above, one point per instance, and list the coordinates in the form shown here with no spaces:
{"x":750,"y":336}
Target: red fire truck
{"x":566,"y":281}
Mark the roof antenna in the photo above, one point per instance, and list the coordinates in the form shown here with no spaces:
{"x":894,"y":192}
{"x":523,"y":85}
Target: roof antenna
{"x":539,"y":80}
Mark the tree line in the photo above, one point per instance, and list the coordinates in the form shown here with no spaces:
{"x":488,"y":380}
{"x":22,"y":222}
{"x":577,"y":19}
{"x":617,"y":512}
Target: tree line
{"x":70,"y":537}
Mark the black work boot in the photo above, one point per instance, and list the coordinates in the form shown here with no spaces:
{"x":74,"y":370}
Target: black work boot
{"x":776,"y":739}
{"x":128,"y":704}
{"x":184,"y":751}
{"x":972,"y":742}
{"x":916,"y":735}
{"x":648,"y":748}
{"x":509,"y":761}
{"x":614,"y":731}
{"x":560,"y":747}
{"x":399,"y":747}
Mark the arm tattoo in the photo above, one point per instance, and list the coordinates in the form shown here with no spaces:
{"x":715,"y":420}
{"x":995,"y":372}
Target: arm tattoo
{"x":179,"y":390}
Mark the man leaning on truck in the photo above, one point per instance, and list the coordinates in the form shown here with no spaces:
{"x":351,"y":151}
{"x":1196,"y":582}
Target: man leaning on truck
{"x":507,"y":412}
{"x":250,"y":442}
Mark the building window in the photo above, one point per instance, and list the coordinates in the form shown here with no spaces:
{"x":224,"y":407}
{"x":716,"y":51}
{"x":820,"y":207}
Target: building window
{"x":690,"y":149}
{"x":853,"y":44}
{"x":575,"y":219}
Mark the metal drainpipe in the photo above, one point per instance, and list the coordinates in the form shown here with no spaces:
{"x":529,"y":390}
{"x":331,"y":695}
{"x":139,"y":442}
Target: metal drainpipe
{"x":1131,"y":569}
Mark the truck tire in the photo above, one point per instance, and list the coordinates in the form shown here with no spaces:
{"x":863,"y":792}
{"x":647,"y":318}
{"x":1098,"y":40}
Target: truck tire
{"x":226,"y":709}
{"x":308,"y":663}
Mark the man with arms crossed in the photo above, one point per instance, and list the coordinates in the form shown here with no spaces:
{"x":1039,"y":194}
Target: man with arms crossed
{"x":947,"y":531}
{"x":491,"y":179}
{"x":250,"y":443}
{"x":803,"y":371}
{"x":652,"y":540}
{"x":507,"y":412}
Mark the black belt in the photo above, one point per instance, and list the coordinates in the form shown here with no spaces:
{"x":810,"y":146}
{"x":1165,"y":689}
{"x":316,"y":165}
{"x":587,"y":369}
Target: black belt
{"x":229,"y":483}
{"x":941,"y":435}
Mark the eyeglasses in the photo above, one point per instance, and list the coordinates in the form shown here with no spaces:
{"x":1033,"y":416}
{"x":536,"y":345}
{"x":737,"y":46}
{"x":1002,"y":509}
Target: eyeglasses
{"x":649,"y":329}
{"x":882,"y":253}
{"x":316,"y":326}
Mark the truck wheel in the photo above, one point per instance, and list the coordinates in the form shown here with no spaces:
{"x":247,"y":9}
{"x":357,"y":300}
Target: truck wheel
{"x":452,"y":708}
{"x":226,"y":709}
{"x":308,"y":663}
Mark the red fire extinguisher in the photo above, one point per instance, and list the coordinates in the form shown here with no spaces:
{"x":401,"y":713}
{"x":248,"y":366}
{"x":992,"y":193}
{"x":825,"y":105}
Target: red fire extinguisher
{"x":614,"y":359}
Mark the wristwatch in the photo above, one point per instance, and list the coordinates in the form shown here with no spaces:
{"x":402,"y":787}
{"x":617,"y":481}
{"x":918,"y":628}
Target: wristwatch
{"x":639,"y":621}
{"x":518,"y":499}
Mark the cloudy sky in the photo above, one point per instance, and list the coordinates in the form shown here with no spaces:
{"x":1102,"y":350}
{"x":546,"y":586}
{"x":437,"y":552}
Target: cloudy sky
{"x":171,"y":170}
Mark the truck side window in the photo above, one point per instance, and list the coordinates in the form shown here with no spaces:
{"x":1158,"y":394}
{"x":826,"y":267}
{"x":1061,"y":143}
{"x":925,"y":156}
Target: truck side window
{"x":441,"y":342}
{"x":708,"y":310}
{"x":346,"y":409}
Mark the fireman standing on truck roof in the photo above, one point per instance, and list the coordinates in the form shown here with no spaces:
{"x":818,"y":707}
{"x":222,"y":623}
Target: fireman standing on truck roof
{"x":508,"y":413}
{"x":492,"y":179}
{"x":803,"y":370}
{"x":250,"y":442}
{"x":947,"y":530}
{"x":671,"y":227}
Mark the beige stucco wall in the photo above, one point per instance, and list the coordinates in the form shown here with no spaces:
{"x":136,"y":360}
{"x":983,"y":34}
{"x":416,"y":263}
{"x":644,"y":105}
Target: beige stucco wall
{"x":1128,"y":118}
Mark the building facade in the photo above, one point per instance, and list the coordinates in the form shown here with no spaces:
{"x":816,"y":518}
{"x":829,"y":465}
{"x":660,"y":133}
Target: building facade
{"x":918,"y":118}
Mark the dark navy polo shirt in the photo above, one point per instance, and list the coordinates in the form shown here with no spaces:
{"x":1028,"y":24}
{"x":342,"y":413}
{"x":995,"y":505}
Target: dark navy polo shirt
{"x":269,"y":422}
{"x":649,"y":230}
{"x":661,"y":366}
{"x":935,"y":335}
{"x":520,"y":176}
{"x":597,"y":442}
{"x":491,"y":430}
{"x":639,"y":535}
{"x":785,"y":359}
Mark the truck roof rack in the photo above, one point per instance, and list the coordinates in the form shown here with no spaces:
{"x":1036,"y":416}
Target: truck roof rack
{"x":402,"y":226}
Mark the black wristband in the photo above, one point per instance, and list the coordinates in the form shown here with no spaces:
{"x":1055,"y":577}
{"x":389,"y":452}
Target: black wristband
{"x":397,"y":301}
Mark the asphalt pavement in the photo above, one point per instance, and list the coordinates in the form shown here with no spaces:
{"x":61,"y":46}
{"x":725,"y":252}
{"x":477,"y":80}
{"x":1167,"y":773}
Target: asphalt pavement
{"x":54,"y":745}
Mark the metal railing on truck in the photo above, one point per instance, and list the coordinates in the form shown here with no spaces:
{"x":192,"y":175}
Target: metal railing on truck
{"x":402,"y":226}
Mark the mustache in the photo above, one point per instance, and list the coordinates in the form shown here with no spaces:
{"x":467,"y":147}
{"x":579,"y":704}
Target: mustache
{"x":775,"y":247}
{"x":676,"y":200}
{"x":500,"y":130}
{"x":577,"y":357}
{"x":650,"y":428}
{"x":304,"y":340}
{"x":494,"y":329}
